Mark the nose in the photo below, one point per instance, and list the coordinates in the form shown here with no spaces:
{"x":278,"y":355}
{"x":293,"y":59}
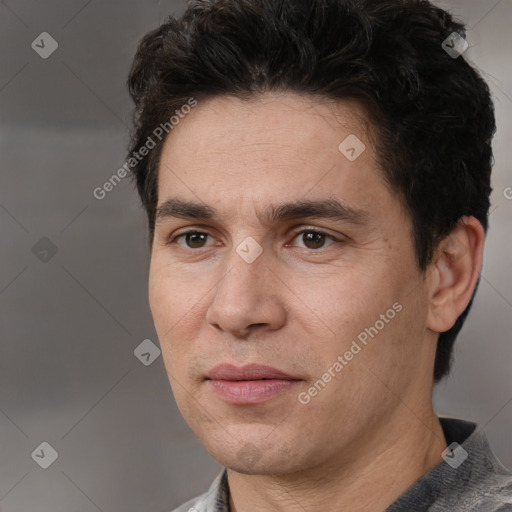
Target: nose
{"x":247,"y":298}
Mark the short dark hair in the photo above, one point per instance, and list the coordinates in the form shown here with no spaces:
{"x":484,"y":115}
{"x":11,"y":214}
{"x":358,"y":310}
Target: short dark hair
{"x":432,"y":113}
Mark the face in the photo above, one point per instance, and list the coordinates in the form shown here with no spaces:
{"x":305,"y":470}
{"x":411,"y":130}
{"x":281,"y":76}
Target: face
{"x":283,"y":284}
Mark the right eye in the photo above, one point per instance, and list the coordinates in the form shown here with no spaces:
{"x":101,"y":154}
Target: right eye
{"x":193,"y":239}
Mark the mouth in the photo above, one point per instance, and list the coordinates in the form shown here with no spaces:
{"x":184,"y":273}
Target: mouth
{"x":250,"y":384}
{"x":248,"y":372}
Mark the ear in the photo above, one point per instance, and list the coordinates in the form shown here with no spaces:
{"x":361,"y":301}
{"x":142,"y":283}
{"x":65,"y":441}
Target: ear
{"x":454,"y":273}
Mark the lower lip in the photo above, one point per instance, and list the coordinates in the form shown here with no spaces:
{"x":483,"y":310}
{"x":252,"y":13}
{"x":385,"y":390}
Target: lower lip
{"x":246,"y":392}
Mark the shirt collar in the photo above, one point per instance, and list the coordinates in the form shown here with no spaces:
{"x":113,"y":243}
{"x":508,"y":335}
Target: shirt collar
{"x":443,"y":485}
{"x":468,"y":474}
{"x":216,"y":499}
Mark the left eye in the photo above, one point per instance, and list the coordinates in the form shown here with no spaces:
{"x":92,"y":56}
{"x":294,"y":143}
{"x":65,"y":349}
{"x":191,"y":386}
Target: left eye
{"x":314,"y":239}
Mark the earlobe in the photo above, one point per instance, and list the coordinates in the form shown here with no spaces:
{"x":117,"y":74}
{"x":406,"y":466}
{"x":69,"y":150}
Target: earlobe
{"x":454,"y":273}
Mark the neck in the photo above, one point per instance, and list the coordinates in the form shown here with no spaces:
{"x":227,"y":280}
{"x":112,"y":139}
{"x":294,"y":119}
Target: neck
{"x":377,"y":471}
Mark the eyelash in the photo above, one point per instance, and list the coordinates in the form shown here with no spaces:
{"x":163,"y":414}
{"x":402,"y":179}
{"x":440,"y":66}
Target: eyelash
{"x":295,"y":235}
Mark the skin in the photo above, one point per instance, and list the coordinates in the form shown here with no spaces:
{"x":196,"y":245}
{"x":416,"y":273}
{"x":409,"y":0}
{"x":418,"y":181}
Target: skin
{"x":371,"y":432}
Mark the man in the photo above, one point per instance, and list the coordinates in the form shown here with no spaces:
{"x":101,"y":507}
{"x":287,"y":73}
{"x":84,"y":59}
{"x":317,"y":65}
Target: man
{"x":316,"y":177}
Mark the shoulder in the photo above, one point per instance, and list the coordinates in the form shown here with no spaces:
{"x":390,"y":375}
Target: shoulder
{"x":488,"y":487}
{"x":494,"y":496}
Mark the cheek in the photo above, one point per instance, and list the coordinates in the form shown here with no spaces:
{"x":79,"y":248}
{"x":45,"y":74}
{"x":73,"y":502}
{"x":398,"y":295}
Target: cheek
{"x":346,"y":308}
{"x":346,"y":300}
{"x":177,"y":307}
{"x":166,"y":309}
{"x":170,"y":298}
{"x":161,"y":300}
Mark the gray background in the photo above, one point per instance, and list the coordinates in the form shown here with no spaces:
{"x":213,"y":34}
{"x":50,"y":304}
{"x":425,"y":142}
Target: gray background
{"x":69,"y":326}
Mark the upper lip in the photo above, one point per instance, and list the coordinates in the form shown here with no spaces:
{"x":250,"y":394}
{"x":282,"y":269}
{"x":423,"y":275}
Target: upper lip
{"x":247,"y":372}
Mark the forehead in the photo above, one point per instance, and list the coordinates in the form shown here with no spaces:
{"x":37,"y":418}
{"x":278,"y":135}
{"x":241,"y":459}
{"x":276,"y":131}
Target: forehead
{"x":273,"y":147}
{"x":301,"y":122}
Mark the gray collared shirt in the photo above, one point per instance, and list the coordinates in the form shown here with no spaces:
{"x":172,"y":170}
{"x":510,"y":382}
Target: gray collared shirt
{"x":469,"y":479}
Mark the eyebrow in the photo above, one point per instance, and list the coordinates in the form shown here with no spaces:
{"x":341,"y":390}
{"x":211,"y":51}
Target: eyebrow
{"x":326,"y":209}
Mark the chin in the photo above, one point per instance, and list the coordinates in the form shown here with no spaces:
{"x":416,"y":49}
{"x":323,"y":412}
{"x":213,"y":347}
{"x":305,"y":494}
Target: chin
{"x":254,"y":454}
{"x":266,"y":465}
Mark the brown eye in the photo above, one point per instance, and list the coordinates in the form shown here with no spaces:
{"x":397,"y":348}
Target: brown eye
{"x":313,"y":239}
{"x":193,"y":239}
